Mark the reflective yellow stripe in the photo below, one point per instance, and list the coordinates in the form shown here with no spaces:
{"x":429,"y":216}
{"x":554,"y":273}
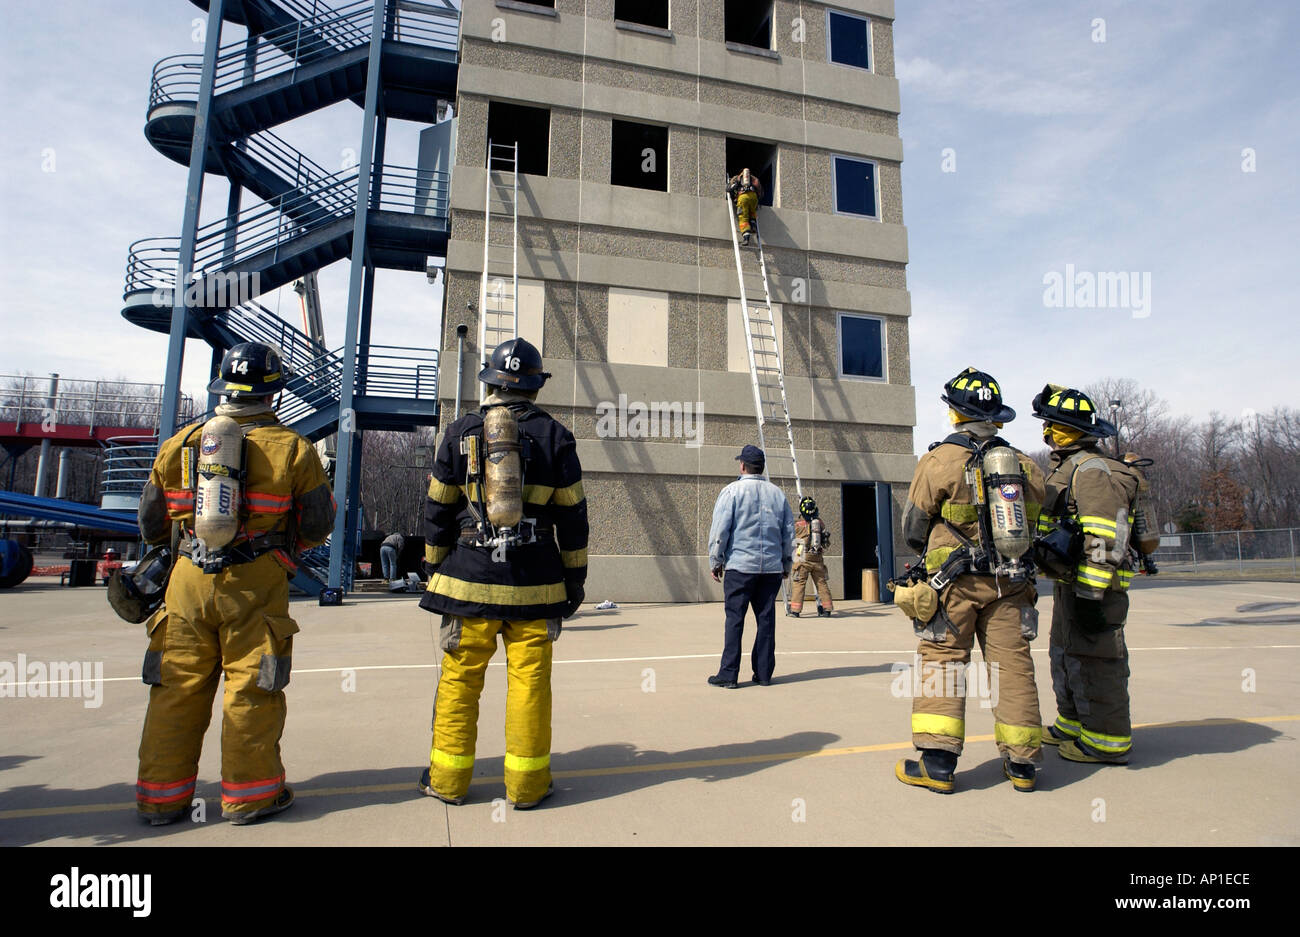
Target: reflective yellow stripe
{"x":1107,"y":743}
{"x":1069,"y":726}
{"x":473,"y":491}
{"x":435,"y":555}
{"x":568,"y":497}
{"x":1018,"y":735}
{"x":935,"y":558}
{"x":1102,"y":532}
{"x":537,"y":494}
{"x":1094,"y":576}
{"x":443,"y":494}
{"x":495,"y":594}
{"x":572,"y":559}
{"x":447,"y":760}
{"x":521,"y":763}
{"x":1096,"y":521}
{"x":933,"y":724}
{"x":959,"y":513}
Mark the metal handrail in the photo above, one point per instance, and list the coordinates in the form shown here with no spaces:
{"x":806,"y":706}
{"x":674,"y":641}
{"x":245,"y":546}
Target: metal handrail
{"x":93,"y":404}
{"x":408,"y":189}
{"x":128,"y":460}
{"x":151,"y":262}
{"x":312,"y":39}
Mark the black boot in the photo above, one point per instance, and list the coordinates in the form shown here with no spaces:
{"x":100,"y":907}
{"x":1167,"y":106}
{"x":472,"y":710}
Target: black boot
{"x":934,"y":769}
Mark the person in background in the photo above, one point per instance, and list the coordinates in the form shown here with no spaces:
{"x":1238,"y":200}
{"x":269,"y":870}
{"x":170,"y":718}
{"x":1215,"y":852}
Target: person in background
{"x":751,"y":544}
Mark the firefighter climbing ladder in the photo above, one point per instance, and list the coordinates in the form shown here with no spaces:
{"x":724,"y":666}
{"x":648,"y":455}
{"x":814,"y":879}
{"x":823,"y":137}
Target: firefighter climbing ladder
{"x":499,"y":306}
{"x":765,"y":371}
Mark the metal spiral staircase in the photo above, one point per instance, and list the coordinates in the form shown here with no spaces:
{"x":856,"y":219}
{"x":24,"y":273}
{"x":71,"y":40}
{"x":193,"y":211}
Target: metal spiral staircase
{"x":394,"y":59}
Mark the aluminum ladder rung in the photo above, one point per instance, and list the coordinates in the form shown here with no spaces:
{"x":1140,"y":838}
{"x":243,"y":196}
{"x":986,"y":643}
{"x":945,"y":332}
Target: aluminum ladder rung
{"x":500,"y":202}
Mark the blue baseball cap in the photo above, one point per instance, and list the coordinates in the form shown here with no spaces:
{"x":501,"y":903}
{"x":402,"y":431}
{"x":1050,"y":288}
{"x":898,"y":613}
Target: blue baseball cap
{"x":752,"y":454}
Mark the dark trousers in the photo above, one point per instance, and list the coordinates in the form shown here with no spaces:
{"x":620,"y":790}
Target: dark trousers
{"x":743,"y":591}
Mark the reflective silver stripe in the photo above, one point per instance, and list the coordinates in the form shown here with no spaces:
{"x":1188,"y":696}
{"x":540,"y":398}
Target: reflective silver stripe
{"x":243,"y":793}
{"x":143,"y":791}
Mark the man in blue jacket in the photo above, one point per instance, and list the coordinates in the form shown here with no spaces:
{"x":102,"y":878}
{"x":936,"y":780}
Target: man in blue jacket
{"x":752,"y":541}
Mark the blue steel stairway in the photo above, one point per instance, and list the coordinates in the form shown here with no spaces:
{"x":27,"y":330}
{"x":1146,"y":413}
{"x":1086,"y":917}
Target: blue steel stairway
{"x":301,"y":56}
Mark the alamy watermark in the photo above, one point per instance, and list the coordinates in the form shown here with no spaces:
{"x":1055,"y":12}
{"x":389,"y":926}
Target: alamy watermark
{"x":214,"y":290}
{"x":659,"y":419}
{"x":79,"y":889}
{"x":1084,"y":289}
{"x":60,"y":679}
{"x":920,"y":679}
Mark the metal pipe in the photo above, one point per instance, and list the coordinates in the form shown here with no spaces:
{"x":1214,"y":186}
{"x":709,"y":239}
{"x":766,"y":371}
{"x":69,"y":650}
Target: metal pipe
{"x":460,"y":363}
{"x":61,"y":487}
{"x":49,"y":421}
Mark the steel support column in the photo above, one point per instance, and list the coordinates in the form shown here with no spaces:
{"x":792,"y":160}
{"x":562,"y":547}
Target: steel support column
{"x":190,"y":224}
{"x":340,"y":546}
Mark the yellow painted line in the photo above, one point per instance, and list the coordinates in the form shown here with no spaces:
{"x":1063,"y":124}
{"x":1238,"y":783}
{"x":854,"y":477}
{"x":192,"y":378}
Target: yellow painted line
{"x":634,"y":769}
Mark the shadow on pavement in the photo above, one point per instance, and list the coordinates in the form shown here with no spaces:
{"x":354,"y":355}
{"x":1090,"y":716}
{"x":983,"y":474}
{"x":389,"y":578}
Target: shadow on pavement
{"x":826,"y":673}
{"x":604,"y":771}
{"x":621,"y":767}
{"x":1152,"y":746}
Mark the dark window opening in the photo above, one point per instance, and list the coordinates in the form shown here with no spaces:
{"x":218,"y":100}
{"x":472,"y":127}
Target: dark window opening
{"x":639,"y":156}
{"x":749,"y":23}
{"x":862,"y":347}
{"x":855,"y":186}
{"x":530,"y":127}
{"x":549,"y":4}
{"x":849,"y":40}
{"x":645,"y":12}
{"x":759,"y":159}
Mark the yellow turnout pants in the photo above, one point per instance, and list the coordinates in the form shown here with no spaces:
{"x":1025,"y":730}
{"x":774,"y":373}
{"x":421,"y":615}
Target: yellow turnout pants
{"x":746,"y":210}
{"x":977,"y":611}
{"x":235,"y":622}
{"x":468,"y":644}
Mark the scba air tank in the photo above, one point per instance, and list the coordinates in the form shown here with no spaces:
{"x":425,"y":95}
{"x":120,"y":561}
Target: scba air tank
{"x":503,"y":474}
{"x":1008,"y":517}
{"x":219,"y":492}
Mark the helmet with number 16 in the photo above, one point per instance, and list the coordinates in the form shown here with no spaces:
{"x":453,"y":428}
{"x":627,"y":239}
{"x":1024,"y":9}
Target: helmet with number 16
{"x":515,"y":364}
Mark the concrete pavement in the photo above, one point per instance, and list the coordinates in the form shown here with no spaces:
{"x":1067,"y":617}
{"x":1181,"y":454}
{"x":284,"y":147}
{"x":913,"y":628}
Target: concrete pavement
{"x":645,"y":752}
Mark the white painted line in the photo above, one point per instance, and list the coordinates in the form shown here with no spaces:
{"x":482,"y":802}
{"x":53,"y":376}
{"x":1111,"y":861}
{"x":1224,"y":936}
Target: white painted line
{"x":908,"y":653}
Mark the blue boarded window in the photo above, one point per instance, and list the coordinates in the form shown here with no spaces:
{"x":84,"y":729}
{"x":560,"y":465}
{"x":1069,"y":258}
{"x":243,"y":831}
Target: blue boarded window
{"x":855,"y":186}
{"x":862,"y":346}
{"x":850,"y":39}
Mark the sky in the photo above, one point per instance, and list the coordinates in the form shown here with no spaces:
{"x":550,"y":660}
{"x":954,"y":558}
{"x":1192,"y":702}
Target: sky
{"x":1094,"y":138}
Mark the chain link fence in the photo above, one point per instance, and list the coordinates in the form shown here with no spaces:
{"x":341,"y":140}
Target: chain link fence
{"x":1245,"y":554}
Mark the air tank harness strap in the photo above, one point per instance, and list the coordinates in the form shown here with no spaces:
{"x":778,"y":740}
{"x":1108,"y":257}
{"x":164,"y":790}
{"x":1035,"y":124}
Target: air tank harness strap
{"x":527,"y":531}
{"x":243,"y":550}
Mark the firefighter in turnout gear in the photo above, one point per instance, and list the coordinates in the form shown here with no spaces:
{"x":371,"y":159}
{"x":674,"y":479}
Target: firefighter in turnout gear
{"x":811,"y":538}
{"x":1093,"y":496}
{"x":985,"y":591}
{"x":746,"y":189}
{"x":506,"y":552}
{"x":239,"y":496}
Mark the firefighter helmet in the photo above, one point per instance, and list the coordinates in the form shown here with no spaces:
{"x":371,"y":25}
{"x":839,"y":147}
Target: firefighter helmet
{"x":1069,"y":407}
{"x":515,"y":364}
{"x":808,"y":507}
{"x":136,"y":592}
{"x":249,"y":369}
{"x":976,"y":395}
